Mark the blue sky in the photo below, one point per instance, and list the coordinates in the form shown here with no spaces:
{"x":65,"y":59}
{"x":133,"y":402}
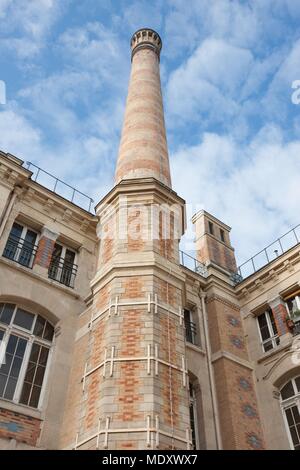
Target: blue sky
{"x":227,"y":70}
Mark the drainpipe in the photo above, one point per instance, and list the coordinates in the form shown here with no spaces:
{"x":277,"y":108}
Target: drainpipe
{"x":212,"y":384}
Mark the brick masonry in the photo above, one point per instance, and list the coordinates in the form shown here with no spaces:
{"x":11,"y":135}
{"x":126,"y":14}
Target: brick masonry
{"x":237,"y":402}
{"x":44,"y":252}
{"x":20,"y":427}
{"x":280,"y":315}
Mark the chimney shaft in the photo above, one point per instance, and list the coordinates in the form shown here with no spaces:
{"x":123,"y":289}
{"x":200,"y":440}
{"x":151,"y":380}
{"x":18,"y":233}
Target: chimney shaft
{"x":143,"y":151}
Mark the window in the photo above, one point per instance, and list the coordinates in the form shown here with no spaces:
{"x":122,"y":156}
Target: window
{"x":293,"y":307}
{"x":222,"y":235}
{"x":193,"y":416}
{"x":190,"y":327}
{"x":21,"y":245}
{"x":25,"y":342}
{"x":268,"y":330}
{"x":290,"y":403}
{"x":211,"y":227}
{"x":62,"y":266}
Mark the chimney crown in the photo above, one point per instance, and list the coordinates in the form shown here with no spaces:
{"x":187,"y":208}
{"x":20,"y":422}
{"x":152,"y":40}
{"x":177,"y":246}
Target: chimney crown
{"x":145,"y":38}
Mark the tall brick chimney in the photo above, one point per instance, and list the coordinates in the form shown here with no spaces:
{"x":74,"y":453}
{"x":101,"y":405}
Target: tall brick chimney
{"x":143,"y":149}
{"x":129,"y":381}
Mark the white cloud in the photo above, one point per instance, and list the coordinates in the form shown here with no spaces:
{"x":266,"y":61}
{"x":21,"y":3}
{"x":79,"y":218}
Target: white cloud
{"x":254,"y":188}
{"x":209,"y":83}
{"x":26,"y":24}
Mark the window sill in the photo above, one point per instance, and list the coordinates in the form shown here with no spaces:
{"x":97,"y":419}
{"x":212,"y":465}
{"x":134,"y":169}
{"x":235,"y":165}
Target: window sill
{"x":18,"y":408}
{"x":195,"y":348}
{"x":284,"y":345}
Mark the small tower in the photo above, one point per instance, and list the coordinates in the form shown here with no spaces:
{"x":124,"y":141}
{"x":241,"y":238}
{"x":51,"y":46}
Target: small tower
{"x":213,"y":242}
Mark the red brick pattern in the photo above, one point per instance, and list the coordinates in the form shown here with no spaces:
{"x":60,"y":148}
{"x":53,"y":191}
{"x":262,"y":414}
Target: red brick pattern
{"x":280,"y":315}
{"x":143,"y":149}
{"x":237,"y":402}
{"x":19,"y":426}
{"x":44,"y":252}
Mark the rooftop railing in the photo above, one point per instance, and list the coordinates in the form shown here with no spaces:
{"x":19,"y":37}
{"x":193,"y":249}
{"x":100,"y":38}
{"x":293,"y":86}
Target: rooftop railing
{"x":268,"y":254}
{"x":59,"y":187}
{"x":193,"y":264}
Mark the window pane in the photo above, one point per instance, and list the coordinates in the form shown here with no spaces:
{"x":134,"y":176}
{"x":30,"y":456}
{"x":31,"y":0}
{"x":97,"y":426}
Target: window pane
{"x":30,"y":372}
{"x":11,"y":345}
{"x":35,"y":395}
{"x":297,"y":380}
{"x":39,"y":375}
{"x":21,"y":347}
{"x":30,"y":237}
{"x":1,"y":334}
{"x":43,"y":356}
{"x":287,"y":391}
{"x":69,"y":257}
{"x":25,"y":393}
{"x":35,"y":350}
{"x":56,"y":254}
{"x":23,"y":319}
{"x":5,"y":368}
{"x":289,"y":417}
{"x":34,"y":375}
{"x":264,"y":329}
{"x":2,"y":384}
{"x":49,"y":331}
{"x":10,"y":388}
{"x":294,"y":435}
{"x":296,"y":415}
{"x":10,"y":370}
{"x":6,"y":313}
{"x":16,"y":366}
{"x":39,"y":326}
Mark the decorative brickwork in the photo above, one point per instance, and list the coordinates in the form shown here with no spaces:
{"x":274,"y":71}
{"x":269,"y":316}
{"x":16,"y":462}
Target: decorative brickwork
{"x":234,"y":383}
{"x":44,"y":252}
{"x":280,"y":315}
{"x":20,"y":427}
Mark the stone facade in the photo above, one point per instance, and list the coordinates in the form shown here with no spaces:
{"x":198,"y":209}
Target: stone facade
{"x":114,"y":343}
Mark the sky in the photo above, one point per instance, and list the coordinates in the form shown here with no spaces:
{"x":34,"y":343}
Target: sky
{"x":228,"y":68}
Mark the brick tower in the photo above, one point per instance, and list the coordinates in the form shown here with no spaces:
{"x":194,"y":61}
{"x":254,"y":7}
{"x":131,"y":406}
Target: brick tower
{"x":129,"y":380}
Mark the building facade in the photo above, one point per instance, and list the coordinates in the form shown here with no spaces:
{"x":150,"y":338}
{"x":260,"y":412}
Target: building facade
{"x":112,"y":338}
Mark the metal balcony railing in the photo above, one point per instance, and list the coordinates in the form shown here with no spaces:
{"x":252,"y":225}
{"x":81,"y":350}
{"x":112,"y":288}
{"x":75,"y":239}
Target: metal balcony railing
{"x":63,"y":272}
{"x":268,"y":254}
{"x":21,"y":251}
{"x":190,"y":332}
{"x":60,"y":187}
{"x":193,"y":264}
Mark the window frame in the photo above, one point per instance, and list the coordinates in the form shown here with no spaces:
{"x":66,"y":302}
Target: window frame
{"x":273,"y":337}
{"x":58,"y":274}
{"x":193,"y":326}
{"x":289,"y":403}
{"x":31,"y":339}
{"x":25,"y":229}
{"x":297,"y":299}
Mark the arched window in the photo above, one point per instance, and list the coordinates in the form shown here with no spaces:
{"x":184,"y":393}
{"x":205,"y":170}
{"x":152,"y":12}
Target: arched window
{"x":290,"y":402}
{"x":25,"y":342}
